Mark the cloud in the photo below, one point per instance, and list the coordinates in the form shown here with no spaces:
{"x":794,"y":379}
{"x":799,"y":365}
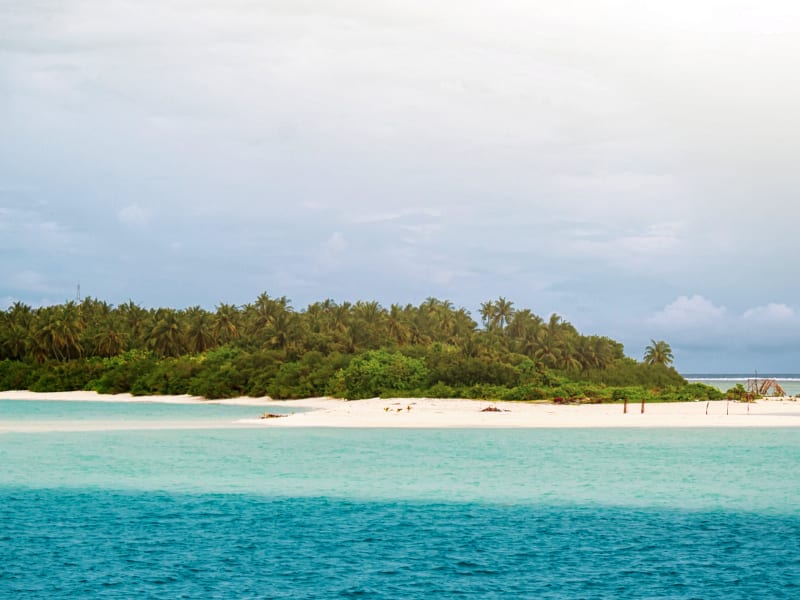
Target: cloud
{"x":332,"y":250}
{"x":590,"y":158}
{"x":695,"y":324}
{"x":402,"y":214}
{"x":688,"y":311}
{"x":134,"y":215}
{"x":33,"y":281}
{"x":770,"y":313}
{"x":651,"y":247}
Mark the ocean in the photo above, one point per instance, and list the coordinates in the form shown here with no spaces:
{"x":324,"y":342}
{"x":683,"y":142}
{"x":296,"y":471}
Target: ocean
{"x":790,"y":382}
{"x":388,"y":513}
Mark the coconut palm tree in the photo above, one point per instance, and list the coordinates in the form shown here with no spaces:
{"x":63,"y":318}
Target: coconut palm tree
{"x":658,"y":353}
{"x":15,"y":335}
{"x":199,"y":329}
{"x":504,"y":312}
{"x":396,"y":325}
{"x":487,"y":313}
{"x":108,"y":340}
{"x":167,"y":335}
{"x":552,"y":346}
{"x":136,"y":323}
{"x":58,"y":331}
{"x":226,"y":323}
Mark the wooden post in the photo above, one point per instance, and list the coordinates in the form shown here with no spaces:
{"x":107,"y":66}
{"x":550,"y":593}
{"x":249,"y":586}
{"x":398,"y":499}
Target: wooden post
{"x":625,"y":409}
{"x":707,"y":403}
{"x":642,"y":404}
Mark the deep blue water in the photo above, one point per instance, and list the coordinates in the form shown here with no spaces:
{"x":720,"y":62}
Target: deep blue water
{"x":386,"y":514}
{"x":83,"y":544}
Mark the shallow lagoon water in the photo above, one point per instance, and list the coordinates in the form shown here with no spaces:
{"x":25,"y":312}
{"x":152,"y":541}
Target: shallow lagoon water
{"x":54,"y":411}
{"x":322,"y":513}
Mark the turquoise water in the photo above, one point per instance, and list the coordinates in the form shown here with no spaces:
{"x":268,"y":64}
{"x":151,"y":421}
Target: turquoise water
{"x":15,"y":412}
{"x":788,"y":381}
{"x":326,"y":513}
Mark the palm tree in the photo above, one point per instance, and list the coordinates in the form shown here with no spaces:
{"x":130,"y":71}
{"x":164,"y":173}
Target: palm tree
{"x":523,"y":331}
{"x":396,"y":326}
{"x":658,"y":353}
{"x":15,"y":336}
{"x":58,"y":331}
{"x":552,"y":343}
{"x":226,"y":323}
{"x":283,"y":330}
{"x":136,"y":323}
{"x":504,"y":312}
{"x":166,"y":337}
{"x":199,"y":331}
{"x":464,"y":325}
{"x":487,"y":313}
{"x":107,"y":339}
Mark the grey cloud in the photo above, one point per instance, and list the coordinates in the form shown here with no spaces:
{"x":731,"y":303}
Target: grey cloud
{"x":594,"y":159}
{"x":696,"y":323}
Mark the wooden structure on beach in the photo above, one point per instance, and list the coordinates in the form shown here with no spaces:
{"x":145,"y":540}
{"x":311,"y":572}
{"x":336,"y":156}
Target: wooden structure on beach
{"x":763,"y":387}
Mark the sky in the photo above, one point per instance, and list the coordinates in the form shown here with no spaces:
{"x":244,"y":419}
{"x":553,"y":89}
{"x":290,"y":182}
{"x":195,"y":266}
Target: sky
{"x":629,"y":165}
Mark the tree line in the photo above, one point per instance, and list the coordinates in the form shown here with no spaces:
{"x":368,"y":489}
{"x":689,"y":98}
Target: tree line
{"x":267,"y":347}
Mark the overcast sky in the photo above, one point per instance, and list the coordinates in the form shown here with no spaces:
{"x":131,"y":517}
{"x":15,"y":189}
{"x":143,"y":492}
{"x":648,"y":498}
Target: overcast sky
{"x":630,"y":165}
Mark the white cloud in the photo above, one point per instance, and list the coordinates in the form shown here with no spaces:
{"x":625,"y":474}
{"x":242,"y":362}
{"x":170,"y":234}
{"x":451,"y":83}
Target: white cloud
{"x":694,"y":323}
{"x":648,"y":247}
{"x":422,"y":232}
{"x":134,"y":215}
{"x":688,"y":311}
{"x":33,"y":281}
{"x":770,"y":313}
{"x":382,"y":217}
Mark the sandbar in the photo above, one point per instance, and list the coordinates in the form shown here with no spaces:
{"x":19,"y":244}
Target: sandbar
{"x":418,"y":413}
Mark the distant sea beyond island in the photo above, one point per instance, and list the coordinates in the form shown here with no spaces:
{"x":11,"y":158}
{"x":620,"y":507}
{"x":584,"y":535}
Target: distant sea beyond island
{"x":790,"y":382}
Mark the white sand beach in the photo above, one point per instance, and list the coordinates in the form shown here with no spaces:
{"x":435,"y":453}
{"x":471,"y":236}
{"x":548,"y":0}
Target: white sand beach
{"x":455,"y":413}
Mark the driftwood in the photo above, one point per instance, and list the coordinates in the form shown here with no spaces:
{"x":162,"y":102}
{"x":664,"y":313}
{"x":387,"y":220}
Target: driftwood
{"x":762,"y":387}
{"x":269,"y":415}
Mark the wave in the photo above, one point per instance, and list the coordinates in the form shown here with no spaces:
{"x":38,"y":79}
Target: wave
{"x":695,"y":377}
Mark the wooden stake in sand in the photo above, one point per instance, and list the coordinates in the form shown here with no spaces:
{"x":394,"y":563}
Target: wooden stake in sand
{"x":625,"y":408}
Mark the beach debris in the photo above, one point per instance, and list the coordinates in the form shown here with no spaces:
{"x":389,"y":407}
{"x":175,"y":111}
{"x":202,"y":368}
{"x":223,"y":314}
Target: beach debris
{"x":560,"y":400}
{"x":269,"y":415}
{"x":408,"y":408}
{"x":386,"y":409}
{"x":493,"y":409}
{"x":763,"y":387}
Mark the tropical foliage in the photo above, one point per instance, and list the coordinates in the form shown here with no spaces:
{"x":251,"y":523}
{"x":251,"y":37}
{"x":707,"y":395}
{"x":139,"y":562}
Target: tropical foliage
{"x":351,"y":350}
{"x":658,"y":353}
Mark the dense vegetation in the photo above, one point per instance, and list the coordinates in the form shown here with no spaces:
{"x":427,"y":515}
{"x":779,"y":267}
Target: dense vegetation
{"x":346,"y":350}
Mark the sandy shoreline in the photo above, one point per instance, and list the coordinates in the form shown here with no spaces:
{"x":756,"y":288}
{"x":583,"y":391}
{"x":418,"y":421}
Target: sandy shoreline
{"x":437,"y":413}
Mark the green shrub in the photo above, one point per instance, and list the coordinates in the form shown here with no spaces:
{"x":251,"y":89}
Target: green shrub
{"x":441,"y":390}
{"x":17,"y":375}
{"x":371,"y":373}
